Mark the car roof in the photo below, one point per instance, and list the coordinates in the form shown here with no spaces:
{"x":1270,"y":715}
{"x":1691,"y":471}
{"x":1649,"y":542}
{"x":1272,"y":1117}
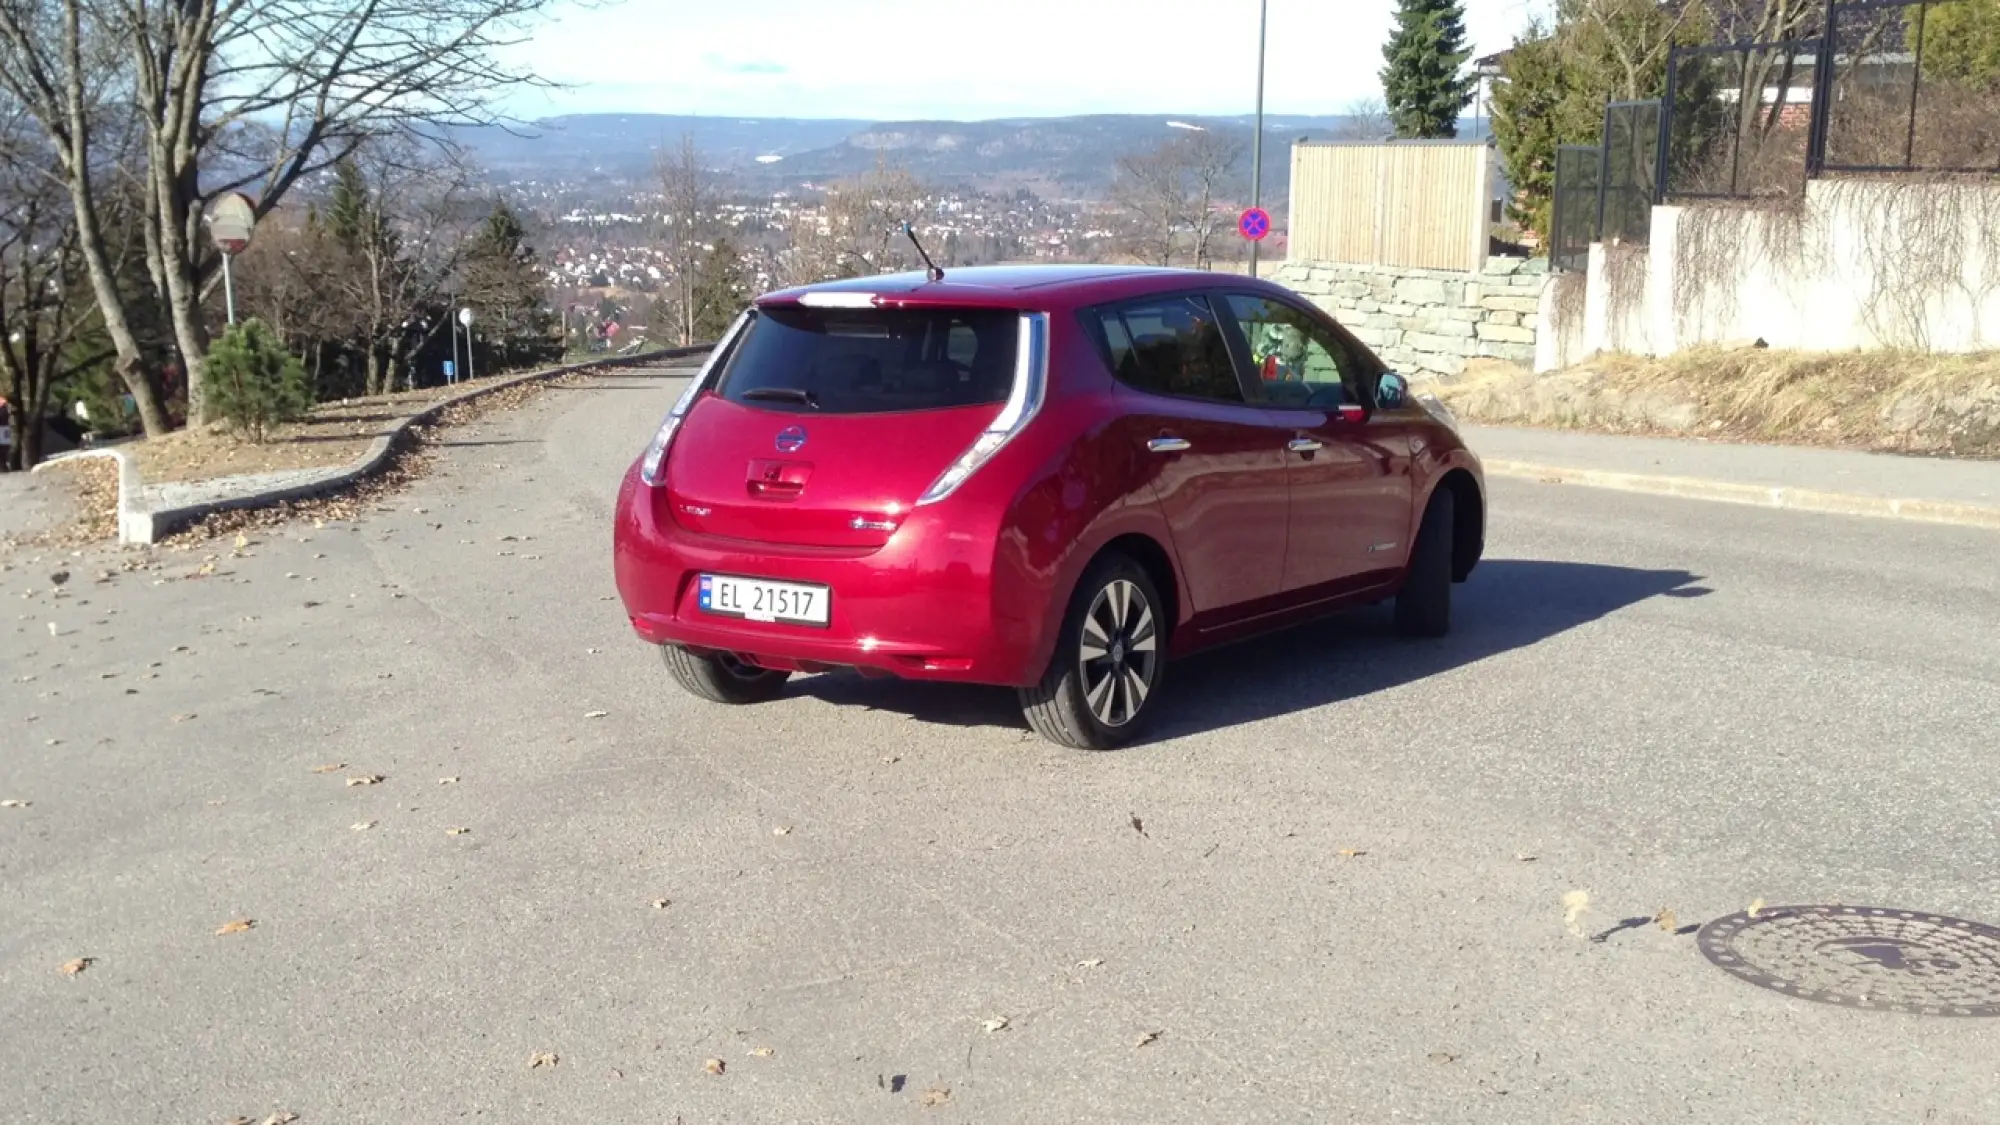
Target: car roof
{"x":1019,"y":287}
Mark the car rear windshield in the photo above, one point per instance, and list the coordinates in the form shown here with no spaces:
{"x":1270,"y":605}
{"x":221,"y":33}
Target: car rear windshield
{"x":873,"y":361}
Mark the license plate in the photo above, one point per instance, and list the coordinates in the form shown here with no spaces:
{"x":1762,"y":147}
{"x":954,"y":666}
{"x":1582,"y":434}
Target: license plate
{"x":755,"y":599}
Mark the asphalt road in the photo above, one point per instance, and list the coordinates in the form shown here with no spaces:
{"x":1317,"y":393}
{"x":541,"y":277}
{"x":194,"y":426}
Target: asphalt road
{"x":1666,"y":704}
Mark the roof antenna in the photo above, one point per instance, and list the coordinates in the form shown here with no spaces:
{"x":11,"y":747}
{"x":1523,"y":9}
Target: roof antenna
{"x":934,"y":272}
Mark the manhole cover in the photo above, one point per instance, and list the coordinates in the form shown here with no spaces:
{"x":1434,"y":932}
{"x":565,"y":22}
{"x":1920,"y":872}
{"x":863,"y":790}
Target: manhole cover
{"x":1863,"y":957}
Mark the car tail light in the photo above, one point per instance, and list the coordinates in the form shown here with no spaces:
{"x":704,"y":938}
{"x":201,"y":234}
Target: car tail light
{"x":1031,"y":372}
{"x":655,"y":461}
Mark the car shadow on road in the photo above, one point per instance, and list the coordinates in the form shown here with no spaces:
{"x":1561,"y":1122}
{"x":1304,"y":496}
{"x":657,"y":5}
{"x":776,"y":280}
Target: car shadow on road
{"x":1508,"y":604}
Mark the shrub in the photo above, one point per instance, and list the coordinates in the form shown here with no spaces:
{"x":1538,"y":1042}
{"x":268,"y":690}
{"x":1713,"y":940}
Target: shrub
{"x":252,"y":383}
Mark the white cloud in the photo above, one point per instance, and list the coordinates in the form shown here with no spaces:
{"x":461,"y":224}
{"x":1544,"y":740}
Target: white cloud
{"x":889,"y":59}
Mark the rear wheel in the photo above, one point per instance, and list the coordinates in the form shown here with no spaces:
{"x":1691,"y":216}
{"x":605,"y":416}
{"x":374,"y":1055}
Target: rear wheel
{"x":1101,"y":680}
{"x":720,"y":678}
{"x":1423,"y":607}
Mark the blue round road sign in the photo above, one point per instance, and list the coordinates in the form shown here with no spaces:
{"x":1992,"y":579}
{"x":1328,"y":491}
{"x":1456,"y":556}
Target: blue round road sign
{"x":1255,"y":224}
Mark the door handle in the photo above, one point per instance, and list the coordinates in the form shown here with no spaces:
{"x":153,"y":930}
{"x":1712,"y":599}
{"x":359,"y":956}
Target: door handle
{"x":1304,"y":445}
{"x":1167,"y":443}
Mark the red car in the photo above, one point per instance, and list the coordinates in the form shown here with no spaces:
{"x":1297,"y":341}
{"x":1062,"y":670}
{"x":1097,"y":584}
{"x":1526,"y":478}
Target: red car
{"x":1050,"y":478}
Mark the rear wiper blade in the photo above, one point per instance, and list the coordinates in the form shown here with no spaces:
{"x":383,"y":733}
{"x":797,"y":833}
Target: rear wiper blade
{"x":782,"y":394}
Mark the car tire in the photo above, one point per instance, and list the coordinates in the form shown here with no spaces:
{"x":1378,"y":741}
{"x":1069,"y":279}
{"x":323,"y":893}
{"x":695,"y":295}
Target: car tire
{"x":723,"y":679}
{"x":1423,"y":606}
{"x":1097,"y":702}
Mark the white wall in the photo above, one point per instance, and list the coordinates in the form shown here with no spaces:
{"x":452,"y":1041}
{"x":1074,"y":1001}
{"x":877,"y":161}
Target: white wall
{"x":1855,"y":265}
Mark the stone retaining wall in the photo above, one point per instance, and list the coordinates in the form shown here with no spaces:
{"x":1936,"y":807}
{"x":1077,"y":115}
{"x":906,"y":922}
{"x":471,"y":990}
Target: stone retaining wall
{"x":1430,"y":321}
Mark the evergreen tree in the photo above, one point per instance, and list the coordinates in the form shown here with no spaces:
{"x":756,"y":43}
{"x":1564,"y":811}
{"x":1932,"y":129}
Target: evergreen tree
{"x":1555,"y":82}
{"x":254,"y":383}
{"x":720,"y":291}
{"x":1425,"y":83}
{"x":1961,"y":42}
{"x":508,"y":294}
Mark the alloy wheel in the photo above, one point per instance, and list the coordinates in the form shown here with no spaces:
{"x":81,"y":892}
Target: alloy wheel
{"x":1118,"y":657}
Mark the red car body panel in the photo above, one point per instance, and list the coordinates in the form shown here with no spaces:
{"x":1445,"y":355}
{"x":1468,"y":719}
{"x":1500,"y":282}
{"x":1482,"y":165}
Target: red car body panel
{"x":1245,"y":533}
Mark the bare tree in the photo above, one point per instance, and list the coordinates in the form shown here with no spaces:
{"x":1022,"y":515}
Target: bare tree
{"x":273,"y":90}
{"x":1170,"y":196}
{"x":1365,"y":119}
{"x":689,"y":199}
{"x":46,"y":313}
{"x":395,"y":230}
{"x":859,"y":228}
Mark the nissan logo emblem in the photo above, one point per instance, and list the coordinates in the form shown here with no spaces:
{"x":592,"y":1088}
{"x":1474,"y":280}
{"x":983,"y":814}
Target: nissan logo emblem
{"x":791,"y":439}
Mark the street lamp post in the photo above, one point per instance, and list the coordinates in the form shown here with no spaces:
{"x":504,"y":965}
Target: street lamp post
{"x":1257,"y":142}
{"x":465,"y":318}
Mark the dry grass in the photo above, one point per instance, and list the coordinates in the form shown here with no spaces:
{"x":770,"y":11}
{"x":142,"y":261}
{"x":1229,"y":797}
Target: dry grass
{"x":1902,"y":402}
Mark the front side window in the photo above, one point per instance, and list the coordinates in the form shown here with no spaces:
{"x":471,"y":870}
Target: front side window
{"x":1167,"y":345}
{"x":1297,"y":361}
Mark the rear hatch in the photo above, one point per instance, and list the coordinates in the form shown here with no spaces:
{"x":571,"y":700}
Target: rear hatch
{"x":827,"y":424}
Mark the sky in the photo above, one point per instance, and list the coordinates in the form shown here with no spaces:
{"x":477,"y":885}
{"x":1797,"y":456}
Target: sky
{"x":968,"y":59}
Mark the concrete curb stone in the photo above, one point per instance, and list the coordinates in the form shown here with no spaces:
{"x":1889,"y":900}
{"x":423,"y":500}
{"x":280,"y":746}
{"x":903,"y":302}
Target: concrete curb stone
{"x":1762,"y":496}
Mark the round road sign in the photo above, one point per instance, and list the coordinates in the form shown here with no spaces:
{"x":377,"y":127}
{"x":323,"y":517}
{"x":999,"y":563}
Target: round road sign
{"x":1255,"y":224}
{"x":231,"y":218}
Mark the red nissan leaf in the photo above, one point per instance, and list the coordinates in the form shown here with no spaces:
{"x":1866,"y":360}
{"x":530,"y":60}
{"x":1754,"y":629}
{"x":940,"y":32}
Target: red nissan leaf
{"x":1051,"y":478}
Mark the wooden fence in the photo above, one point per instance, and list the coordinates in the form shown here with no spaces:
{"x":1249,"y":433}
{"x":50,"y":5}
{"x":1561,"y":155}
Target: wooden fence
{"x":1417,"y":204}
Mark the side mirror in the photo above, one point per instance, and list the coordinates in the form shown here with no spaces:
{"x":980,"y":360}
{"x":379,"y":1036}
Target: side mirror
{"x":1392,"y":391}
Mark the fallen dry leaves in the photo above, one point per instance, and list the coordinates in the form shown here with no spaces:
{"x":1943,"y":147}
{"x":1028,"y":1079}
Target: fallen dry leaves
{"x":543,"y":1058}
{"x":365,"y":779}
{"x":1665,"y":919}
{"x":73,"y":967}
{"x":330,"y":767}
{"x":714,"y":1066}
{"x":1148,"y":1038}
{"x":1350,"y":853}
{"x":936,"y":1096}
{"x":762,"y":1052}
{"x":997,"y":1023}
{"x":187,"y":718}
{"x":1575,"y":905}
{"x":236,"y":926}
{"x":1756,"y":907}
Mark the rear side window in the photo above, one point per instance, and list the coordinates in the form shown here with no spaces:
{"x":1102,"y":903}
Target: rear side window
{"x":1167,"y":345}
{"x":873,"y":361}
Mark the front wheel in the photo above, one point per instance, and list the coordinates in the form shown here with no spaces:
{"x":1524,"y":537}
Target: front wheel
{"x":1423,"y":606}
{"x":719,"y":678}
{"x":1107,"y":662}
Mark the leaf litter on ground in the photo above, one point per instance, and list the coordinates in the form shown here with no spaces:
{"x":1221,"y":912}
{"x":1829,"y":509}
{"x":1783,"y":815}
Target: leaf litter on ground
{"x":74,"y":966}
{"x":236,"y":926}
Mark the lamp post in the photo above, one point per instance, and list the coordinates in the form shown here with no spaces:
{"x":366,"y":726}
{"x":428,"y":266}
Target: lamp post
{"x":465,"y":318}
{"x":1257,"y":142}
{"x":232,"y":218}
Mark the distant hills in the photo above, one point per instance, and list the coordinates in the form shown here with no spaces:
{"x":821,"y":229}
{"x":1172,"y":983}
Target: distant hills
{"x":1057,"y":157}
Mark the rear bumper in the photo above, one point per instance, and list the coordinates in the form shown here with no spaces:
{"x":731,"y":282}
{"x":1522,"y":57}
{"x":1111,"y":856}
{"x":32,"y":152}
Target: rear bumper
{"x":928,"y":605}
